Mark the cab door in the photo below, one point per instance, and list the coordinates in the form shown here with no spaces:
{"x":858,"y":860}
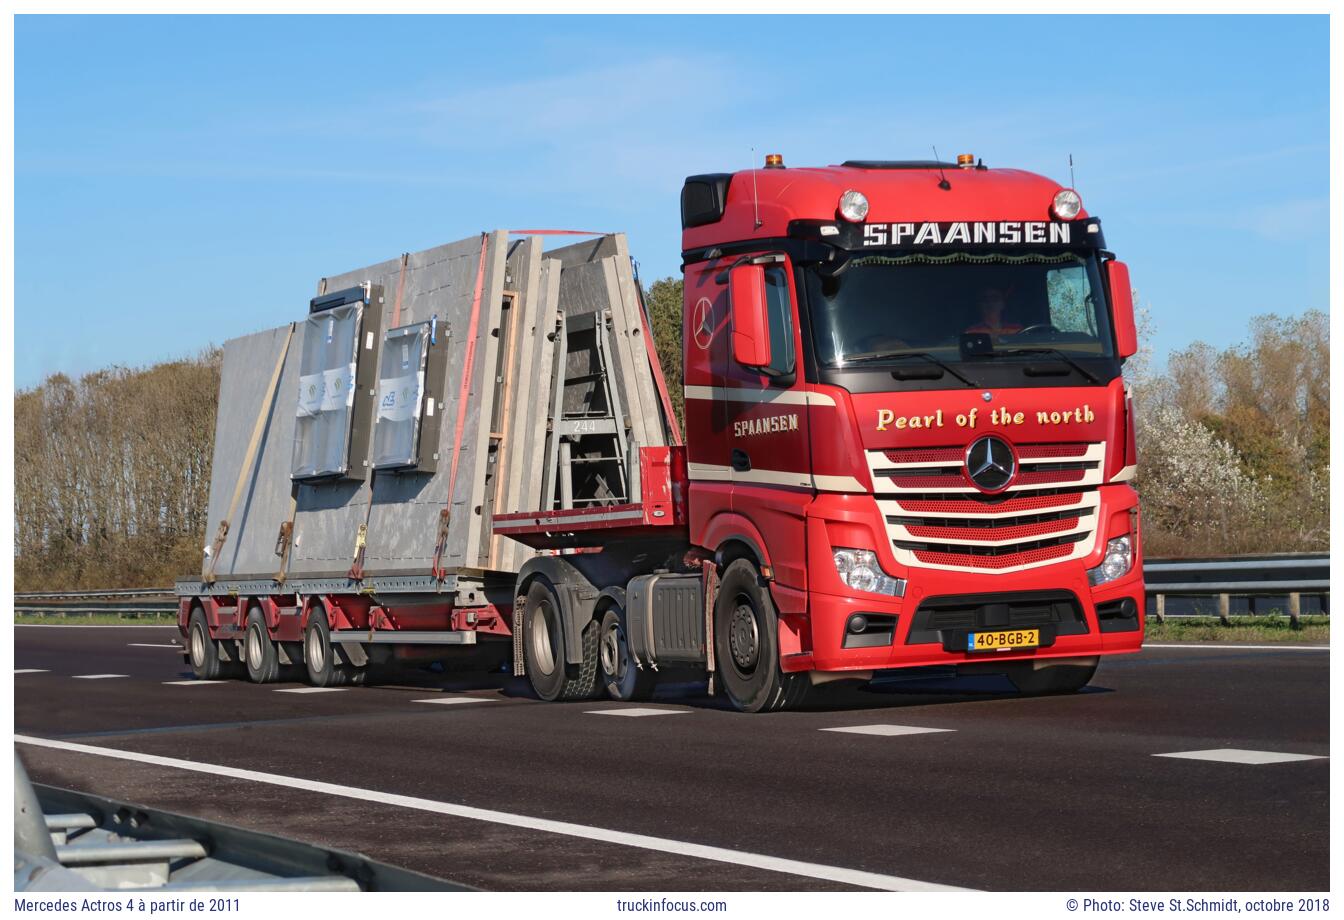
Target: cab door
{"x":766,"y":427}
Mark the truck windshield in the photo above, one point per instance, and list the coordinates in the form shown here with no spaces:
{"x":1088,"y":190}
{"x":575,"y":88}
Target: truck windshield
{"x":880,"y":306}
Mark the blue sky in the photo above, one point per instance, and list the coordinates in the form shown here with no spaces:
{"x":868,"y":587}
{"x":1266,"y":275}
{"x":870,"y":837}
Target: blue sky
{"x":180,"y":181}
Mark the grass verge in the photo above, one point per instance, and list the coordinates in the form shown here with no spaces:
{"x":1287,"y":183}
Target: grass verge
{"x":94,"y":619}
{"x":1243,"y":629}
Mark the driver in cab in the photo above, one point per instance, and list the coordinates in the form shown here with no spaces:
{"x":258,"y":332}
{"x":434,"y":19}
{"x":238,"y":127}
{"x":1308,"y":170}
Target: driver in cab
{"x":990,"y":305}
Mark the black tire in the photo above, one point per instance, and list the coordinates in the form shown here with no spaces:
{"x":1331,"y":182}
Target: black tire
{"x":746,"y":644}
{"x":319,"y":657}
{"x":259,"y":652}
{"x":1059,"y":678}
{"x":544,"y":649}
{"x":202,"y":651}
{"x":622,"y":677}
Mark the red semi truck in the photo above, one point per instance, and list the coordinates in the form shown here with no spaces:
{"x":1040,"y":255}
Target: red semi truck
{"x":908,"y":444}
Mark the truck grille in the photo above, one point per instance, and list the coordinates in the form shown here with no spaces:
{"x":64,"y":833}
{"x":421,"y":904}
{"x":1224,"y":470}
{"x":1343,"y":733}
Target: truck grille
{"x":936,"y":519}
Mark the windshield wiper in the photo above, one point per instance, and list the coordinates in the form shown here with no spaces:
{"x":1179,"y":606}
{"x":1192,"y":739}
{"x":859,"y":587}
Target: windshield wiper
{"x":897,"y":355}
{"x":1055,"y":352}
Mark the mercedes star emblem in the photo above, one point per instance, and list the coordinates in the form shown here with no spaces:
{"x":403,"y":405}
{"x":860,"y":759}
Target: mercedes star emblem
{"x":990,"y":463}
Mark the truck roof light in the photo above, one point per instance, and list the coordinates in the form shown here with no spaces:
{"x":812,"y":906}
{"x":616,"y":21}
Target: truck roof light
{"x":853,"y":206}
{"x":1067,"y":204}
{"x":774,"y":161}
{"x":966,"y":160}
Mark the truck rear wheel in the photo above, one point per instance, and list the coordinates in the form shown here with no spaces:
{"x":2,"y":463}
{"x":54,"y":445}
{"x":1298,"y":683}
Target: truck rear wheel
{"x":321,"y":659}
{"x":746,"y":644}
{"x":259,"y":652}
{"x":202,"y":651}
{"x":544,"y":649}
{"x":1031,"y":680}
{"x":623,"y":678}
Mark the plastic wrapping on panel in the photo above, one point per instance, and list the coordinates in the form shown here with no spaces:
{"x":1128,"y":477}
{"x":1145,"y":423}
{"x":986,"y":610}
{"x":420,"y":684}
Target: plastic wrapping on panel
{"x":327,"y":387}
{"x":397,"y":430}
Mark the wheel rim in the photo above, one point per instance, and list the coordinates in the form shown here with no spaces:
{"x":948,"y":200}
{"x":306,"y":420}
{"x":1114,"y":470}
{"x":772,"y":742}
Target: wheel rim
{"x":254,"y":648}
{"x":744,"y":637}
{"x":197,"y":646}
{"x":615,"y":661}
{"x":317,"y":652}
{"x":543,"y":649}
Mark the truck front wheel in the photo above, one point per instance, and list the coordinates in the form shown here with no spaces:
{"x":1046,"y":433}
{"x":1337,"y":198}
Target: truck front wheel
{"x":1032,"y":679}
{"x":746,"y":644}
{"x":544,"y":649}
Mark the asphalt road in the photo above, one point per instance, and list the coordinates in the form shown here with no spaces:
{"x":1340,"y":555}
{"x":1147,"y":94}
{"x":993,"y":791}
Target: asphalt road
{"x":994,"y":792}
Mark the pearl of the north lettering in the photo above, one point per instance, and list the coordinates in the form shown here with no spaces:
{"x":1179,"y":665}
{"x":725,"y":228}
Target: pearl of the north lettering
{"x":1002,"y":416}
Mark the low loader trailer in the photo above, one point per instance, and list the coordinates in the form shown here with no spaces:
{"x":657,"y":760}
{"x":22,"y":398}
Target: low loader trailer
{"x":908,"y":443}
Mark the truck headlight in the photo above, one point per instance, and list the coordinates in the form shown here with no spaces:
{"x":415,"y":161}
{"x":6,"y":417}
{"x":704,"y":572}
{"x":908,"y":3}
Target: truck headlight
{"x":1119,"y":559}
{"x":853,"y":206}
{"x":1066,"y":204}
{"x":860,"y":570}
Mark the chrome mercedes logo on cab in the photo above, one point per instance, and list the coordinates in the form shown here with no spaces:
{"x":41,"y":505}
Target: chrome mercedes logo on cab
{"x":990,"y":464}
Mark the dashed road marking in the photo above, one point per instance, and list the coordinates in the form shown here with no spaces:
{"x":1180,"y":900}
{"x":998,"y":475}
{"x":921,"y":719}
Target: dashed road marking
{"x":449,"y":700}
{"x":636,"y":712}
{"x":192,"y":683}
{"x":152,"y":645}
{"x":886,"y":730}
{"x":312,"y":689}
{"x":98,"y":676}
{"x":1238,"y":647}
{"x":842,"y":874}
{"x":31,"y":671}
{"x":1237,"y":755}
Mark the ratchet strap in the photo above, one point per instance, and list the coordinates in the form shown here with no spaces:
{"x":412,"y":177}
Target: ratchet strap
{"x":208,"y":573}
{"x":441,"y":540}
{"x":356,"y":571}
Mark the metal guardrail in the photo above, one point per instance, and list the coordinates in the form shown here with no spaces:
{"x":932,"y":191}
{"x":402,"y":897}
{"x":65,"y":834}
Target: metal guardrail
{"x":1287,"y":575}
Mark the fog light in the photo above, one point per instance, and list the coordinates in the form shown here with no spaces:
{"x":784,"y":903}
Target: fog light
{"x":858,"y":623}
{"x":1067,"y":204}
{"x":853,"y":206}
{"x":1117,"y":562}
{"x":860,"y":570}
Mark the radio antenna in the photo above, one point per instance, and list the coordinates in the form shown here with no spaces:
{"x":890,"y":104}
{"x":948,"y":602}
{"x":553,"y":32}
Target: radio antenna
{"x":755,"y":198}
{"x":1072,"y":184}
{"x":942,"y":176}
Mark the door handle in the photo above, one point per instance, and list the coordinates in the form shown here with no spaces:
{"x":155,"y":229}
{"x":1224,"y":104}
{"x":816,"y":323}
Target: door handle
{"x":741,"y":462}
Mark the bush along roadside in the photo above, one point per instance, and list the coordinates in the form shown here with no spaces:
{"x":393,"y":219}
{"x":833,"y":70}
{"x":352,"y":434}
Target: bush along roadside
{"x":1273,"y":628}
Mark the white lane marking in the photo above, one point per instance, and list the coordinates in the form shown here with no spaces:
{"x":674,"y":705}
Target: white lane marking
{"x":887,"y":730}
{"x":840,"y":874}
{"x":1236,"y":755}
{"x":1234,"y":647}
{"x":31,"y":671}
{"x":151,"y":645}
{"x":93,"y":626}
{"x":449,"y":700}
{"x":636,"y":712}
{"x":312,"y":690}
{"x":98,"y":676}
{"x":192,"y":683}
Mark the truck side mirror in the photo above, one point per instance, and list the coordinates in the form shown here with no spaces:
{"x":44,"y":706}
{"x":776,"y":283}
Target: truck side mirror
{"x":751,"y":323}
{"x":1122,"y":308}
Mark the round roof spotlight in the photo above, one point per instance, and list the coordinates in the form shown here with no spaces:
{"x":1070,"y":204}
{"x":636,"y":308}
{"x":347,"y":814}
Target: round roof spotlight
{"x":1067,"y":204}
{"x":853,"y":206}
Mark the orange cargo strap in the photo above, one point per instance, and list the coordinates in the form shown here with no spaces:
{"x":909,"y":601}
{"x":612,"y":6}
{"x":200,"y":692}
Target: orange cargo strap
{"x":440,"y":544}
{"x":356,"y":570}
{"x":208,"y":574}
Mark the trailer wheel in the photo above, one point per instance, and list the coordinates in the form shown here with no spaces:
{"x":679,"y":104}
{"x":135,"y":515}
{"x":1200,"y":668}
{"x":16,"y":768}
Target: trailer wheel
{"x":623,"y":678}
{"x":544,"y":649}
{"x":1058,"y":678}
{"x":202,"y":651}
{"x":746,"y":644}
{"x":319,"y":657}
{"x":259,"y":652}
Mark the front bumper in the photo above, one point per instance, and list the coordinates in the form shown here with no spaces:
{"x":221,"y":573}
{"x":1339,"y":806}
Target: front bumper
{"x":1086,"y":622}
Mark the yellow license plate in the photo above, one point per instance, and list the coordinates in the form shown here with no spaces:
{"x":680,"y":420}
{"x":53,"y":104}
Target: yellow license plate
{"x":1003,"y":640}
